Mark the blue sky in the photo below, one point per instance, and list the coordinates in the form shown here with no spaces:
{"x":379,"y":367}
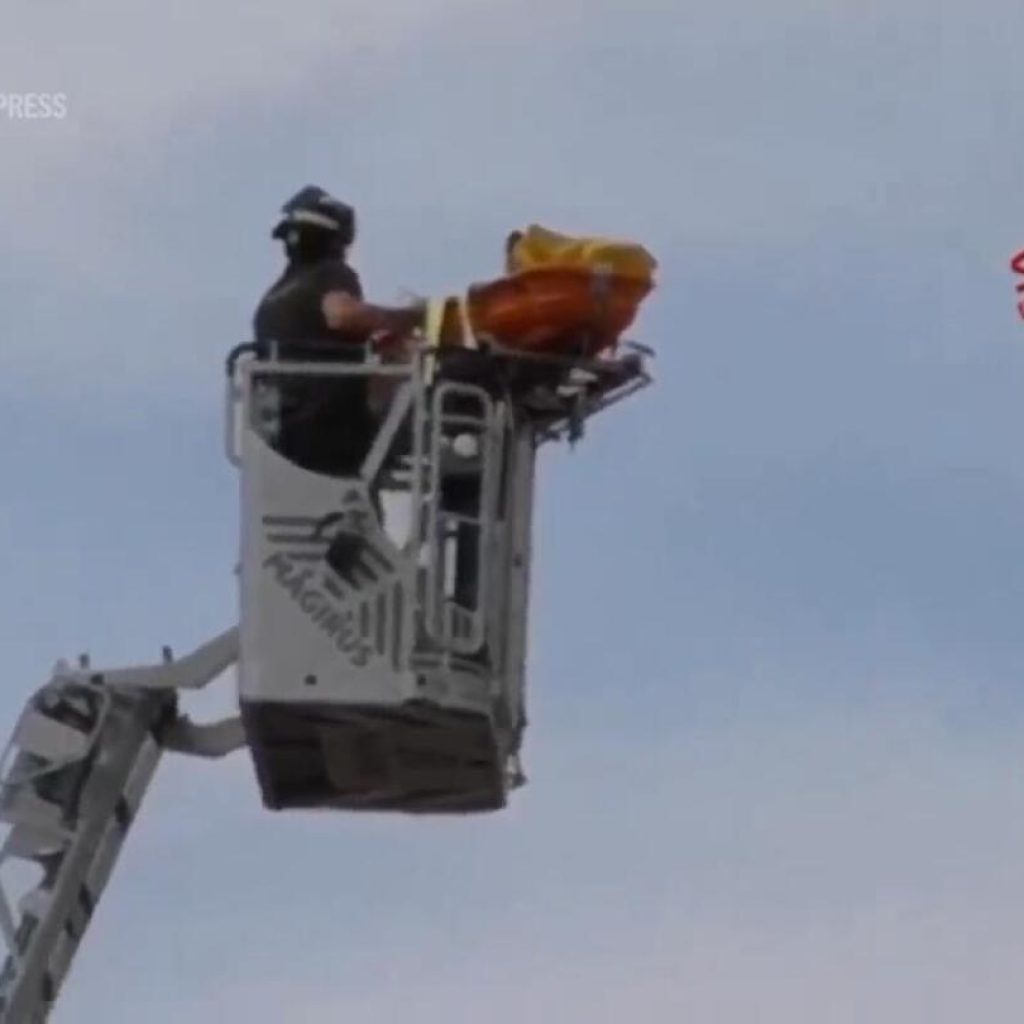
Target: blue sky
{"x":776,"y":753}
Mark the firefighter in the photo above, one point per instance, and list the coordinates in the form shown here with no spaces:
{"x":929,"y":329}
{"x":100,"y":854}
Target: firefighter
{"x":315,"y":312}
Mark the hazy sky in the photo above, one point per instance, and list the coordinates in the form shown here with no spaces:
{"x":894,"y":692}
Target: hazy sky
{"x":777,"y":751}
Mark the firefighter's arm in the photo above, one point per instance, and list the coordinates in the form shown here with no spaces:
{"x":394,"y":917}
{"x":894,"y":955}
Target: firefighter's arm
{"x":350,"y":315}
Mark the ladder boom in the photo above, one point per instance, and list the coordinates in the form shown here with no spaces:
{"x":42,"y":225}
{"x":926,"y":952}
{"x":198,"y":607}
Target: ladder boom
{"x":72,"y":779}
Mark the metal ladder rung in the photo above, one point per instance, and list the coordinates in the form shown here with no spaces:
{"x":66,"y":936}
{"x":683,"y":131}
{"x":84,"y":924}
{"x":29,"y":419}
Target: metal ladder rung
{"x":35,"y":903}
{"x":44,"y":736}
{"x":29,"y":841}
{"x":458,"y":517}
{"x":23,"y":808}
{"x":462,"y":419}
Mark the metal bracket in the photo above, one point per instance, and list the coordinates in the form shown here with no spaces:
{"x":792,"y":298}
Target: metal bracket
{"x":192,"y":672}
{"x":211,"y":740}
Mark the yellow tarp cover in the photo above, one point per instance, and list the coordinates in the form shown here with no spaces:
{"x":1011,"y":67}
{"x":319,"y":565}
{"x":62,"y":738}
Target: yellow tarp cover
{"x":539,"y":248}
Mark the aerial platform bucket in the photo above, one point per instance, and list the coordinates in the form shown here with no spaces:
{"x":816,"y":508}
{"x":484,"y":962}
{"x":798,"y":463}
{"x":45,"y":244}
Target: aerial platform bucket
{"x":384,"y":608}
{"x":383,"y":614}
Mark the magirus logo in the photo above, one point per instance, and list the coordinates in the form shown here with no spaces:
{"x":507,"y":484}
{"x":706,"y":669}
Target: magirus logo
{"x":330,"y":566}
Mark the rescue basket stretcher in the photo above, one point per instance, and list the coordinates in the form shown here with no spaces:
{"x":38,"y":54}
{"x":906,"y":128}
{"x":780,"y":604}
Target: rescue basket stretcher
{"x":560,"y":296}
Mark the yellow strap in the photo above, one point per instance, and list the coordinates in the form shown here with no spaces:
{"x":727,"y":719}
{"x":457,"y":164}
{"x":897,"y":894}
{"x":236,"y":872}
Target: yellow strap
{"x":433,"y":322}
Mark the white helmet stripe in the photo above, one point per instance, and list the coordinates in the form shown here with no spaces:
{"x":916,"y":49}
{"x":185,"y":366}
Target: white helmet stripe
{"x":309,"y":217}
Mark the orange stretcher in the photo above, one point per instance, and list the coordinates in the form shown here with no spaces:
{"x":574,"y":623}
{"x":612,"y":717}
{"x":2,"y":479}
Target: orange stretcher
{"x":550,"y":310}
{"x":560,"y":295}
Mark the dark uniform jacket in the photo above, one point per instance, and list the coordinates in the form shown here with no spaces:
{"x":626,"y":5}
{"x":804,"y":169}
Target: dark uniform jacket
{"x":325,"y":424}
